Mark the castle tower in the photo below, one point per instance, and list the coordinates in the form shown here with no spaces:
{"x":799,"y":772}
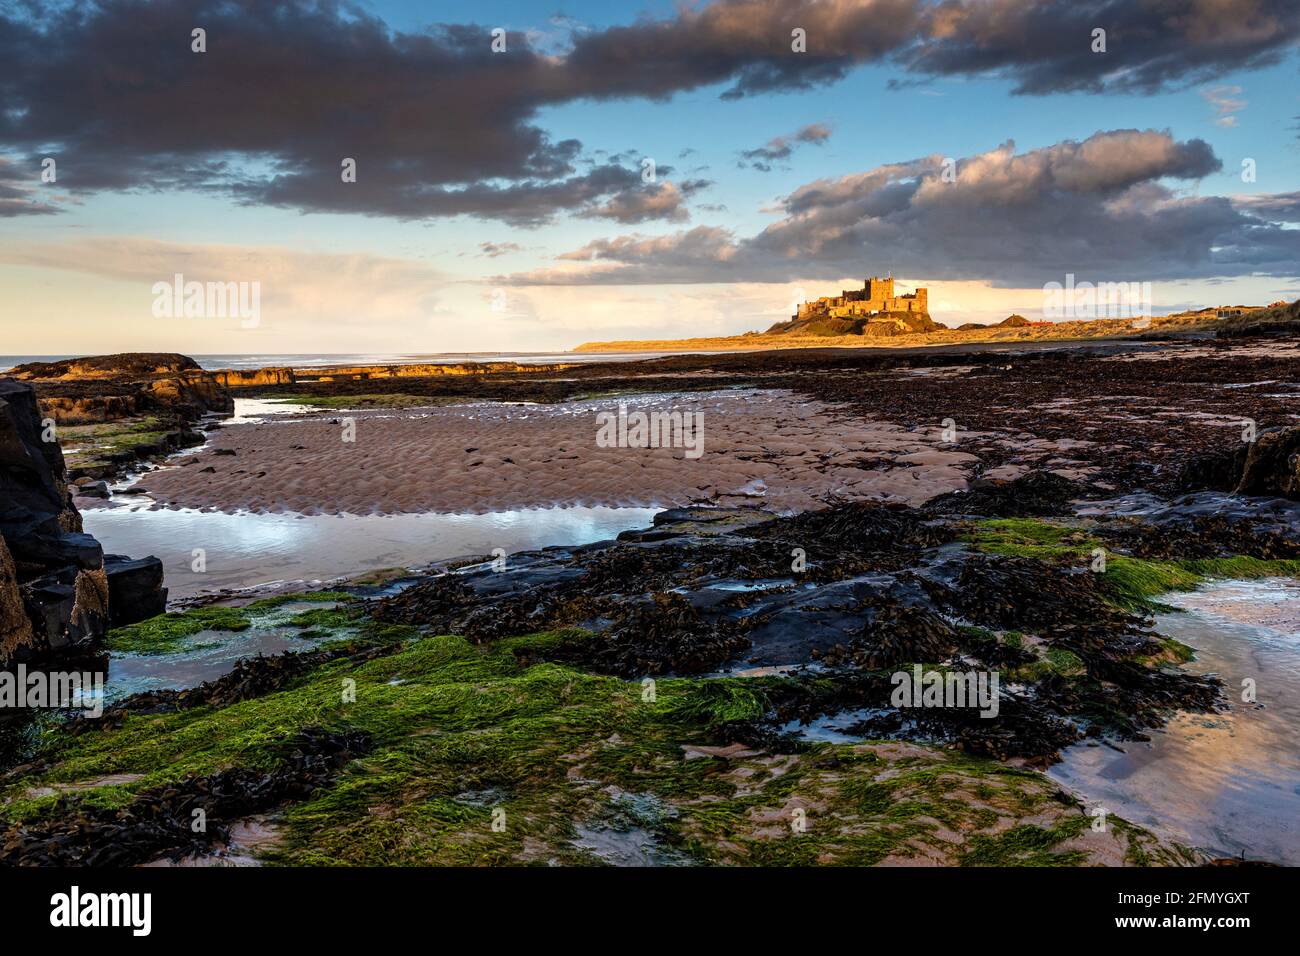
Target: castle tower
{"x":879,"y":290}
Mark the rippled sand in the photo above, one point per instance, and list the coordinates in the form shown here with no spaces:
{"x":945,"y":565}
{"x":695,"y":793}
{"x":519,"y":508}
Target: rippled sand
{"x":767,"y":448}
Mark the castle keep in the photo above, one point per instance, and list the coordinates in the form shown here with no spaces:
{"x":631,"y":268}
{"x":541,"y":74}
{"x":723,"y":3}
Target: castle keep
{"x":875,"y":296}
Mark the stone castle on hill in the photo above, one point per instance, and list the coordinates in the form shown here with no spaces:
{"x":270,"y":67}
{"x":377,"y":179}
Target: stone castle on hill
{"x":876,"y":297}
{"x":872,"y":311}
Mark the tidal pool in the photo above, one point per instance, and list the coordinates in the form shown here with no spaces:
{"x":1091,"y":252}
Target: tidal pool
{"x":243,"y":550}
{"x":210,"y":550}
{"x":1227,"y":783}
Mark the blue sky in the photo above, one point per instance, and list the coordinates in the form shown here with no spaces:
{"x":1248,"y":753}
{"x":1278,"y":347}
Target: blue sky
{"x":431,"y":287}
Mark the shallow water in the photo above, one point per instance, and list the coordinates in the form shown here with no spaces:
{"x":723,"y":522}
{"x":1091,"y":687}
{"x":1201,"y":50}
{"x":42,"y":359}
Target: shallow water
{"x":214,"y":654}
{"x":243,"y":550}
{"x":1228,"y":783}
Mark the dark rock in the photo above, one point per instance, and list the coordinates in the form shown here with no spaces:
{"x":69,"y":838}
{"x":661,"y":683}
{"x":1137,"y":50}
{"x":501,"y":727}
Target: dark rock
{"x":1209,"y":524}
{"x":93,"y":489}
{"x":33,"y":493}
{"x":135,"y":589}
{"x":1036,"y":494}
{"x":54,"y":594}
{"x":882,"y":588}
{"x":1214,"y":471}
{"x":1268,"y":466}
{"x":1272,"y":465}
{"x":68,"y":609}
{"x":51,"y":551}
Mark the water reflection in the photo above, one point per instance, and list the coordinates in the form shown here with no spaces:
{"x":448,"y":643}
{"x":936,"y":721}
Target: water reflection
{"x":1229,"y":783}
{"x":241,"y":550}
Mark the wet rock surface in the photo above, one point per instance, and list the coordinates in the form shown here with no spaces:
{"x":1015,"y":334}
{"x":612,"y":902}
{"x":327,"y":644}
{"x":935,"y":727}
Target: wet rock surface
{"x":883,"y":589}
{"x":1203,"y":525}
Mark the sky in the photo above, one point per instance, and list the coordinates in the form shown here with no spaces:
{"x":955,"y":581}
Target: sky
{"x":530,"y":176}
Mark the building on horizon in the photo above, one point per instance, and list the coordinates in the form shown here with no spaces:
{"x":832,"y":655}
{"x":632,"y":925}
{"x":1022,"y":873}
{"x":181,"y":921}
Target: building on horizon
{"x":875,"y":297}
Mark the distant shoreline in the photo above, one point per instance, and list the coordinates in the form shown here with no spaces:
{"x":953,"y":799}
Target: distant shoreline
{"x":256,"y":360}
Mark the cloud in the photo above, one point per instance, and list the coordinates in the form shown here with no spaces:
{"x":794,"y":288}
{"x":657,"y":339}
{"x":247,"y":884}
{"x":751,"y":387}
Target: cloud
{"x":781,"y":147}
{"x":19,"y":194}
{"x":1225,"y":101}
{"x":439,"y":125}
{"x":658,"y":200}
{"x":494,"y":249}
{"x":1098,"y":208}
{"x":1280,"y":207}
{"x":1046,"y":46}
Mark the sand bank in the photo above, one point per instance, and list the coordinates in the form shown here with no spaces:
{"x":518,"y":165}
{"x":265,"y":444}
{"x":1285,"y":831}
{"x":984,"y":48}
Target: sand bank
{"x":766,"y":448}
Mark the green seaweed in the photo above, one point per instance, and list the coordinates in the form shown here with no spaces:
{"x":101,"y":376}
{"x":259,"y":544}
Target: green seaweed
{"x":166,"y":633}
{"x":1129,"y":583}
{"x":483,"y":758}
{"x":163,"y":634}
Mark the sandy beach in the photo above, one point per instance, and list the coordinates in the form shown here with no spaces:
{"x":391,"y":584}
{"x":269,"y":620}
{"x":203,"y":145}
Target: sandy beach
{"x":760,"y":447}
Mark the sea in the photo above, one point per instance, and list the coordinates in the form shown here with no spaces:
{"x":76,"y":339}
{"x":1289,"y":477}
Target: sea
{"x":321,"y":360}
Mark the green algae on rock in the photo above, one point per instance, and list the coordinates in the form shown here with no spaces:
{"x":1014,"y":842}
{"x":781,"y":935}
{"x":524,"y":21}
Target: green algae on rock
{"x":166,"y":633}
{"x":476,"y":757}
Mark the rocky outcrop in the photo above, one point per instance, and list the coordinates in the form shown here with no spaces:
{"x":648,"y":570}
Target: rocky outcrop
{"x":157,"y":397}
{"x":54,"y":591}
{"x":427,"y":370}
{"x":190,"y":395}
{"x":116,"y":366}
{"x":1268,"y":466}
{"x":1272,"y":465}
{"x":252,"y":377}
{"x":35,"y":510}
{"x":57,"y":572}
{"x":107,"y":388}
{"x":91,"y":409}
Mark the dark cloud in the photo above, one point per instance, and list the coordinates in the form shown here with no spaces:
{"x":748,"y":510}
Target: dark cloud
{"x":781,"y":147}
{"x":1046,"y":46}
{"x":1282,"y":207}
{"x":20,"y":192}
{"x":440,"y":125}
{"x":1096,"y":208}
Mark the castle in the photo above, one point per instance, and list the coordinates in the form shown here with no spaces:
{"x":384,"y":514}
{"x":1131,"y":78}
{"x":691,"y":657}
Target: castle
{"x":875,"y":296}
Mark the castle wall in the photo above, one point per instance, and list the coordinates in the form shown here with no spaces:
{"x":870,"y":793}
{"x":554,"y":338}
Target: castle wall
{"x":877,"y":295}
